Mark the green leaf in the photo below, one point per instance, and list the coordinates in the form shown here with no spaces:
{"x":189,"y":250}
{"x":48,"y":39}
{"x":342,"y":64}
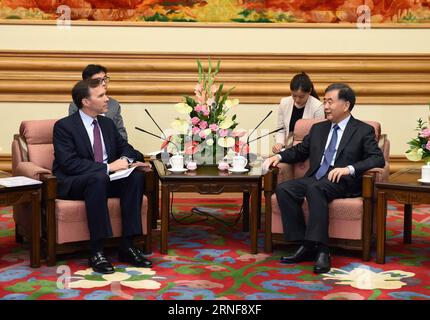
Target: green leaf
{"x":220,"y":275}
{"x":188,"y":270}
{"x":190,"y":101}
{"x":200,"y":68}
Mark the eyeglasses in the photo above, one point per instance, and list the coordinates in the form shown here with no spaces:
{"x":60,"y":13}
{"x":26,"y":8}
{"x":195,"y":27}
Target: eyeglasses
{"x":101,"y":80}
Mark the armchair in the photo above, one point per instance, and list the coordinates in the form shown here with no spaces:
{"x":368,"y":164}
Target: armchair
{"x":64,"y":222}
{"x":352,"y":222}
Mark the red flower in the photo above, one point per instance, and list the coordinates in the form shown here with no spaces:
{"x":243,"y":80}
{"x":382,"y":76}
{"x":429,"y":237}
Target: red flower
{"x":166,"y":142}
{"x":191,"y":147}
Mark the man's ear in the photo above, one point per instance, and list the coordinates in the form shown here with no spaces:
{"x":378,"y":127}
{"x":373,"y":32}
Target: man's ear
{"x":85,"y":102}
{"x":347,"y":104}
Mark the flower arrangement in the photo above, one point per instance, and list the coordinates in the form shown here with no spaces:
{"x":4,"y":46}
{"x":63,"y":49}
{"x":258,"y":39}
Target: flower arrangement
{"x":208,"y":133}
{"x":420,"y":146}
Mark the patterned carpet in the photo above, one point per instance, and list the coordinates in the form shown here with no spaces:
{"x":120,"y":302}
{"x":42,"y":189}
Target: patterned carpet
{"x":209,"y":259}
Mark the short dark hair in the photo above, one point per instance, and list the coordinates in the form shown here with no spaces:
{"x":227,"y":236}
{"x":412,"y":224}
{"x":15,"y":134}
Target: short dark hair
{"x":81,"y":90}
{"x":345,"y":93}
{"x":303,"y":82}
{"x":91,"y":70}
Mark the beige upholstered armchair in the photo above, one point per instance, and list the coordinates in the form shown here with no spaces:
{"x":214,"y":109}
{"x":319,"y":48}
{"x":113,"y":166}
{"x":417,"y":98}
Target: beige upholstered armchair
{"x":64,"y":222}
{"x":352,"y":220}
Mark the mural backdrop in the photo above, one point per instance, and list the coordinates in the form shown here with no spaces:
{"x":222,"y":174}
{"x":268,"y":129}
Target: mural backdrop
{"x":258,"y":11}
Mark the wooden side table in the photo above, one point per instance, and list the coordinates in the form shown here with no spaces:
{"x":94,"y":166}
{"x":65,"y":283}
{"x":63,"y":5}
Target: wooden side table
{"x":209,"y":180}
{"x":26,"y":194}
{"x":404,"y":188}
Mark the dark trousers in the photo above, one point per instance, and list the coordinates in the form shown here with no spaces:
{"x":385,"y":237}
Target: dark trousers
{"x":96,"y":188}
{"x":318,"y":193}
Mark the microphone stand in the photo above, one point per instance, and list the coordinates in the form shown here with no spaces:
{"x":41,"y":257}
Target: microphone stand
{"x":164,"y":153}
{"x":249,"y":136}
{"x":154,"y":135}
{"x":258,"y":138}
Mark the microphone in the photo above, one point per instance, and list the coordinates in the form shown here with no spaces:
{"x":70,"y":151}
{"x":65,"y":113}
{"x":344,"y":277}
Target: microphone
{"x":154,"y":135}
{"x":147,"y":112}
{"x":247,"y":139}
{"x":258,"y":138}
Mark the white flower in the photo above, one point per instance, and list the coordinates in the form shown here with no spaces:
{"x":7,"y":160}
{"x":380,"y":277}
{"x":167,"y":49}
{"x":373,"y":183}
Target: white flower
{"x":366,"y":279}
{"x":226,"y":142}
{"x":226,"y":123}
{"x":180,"y":125}
{"x":231,"y":103}
{"x":209,"y":142}
{"x":117,"y":277}
{"x":183,"y":108}
{"x":415,"y":154}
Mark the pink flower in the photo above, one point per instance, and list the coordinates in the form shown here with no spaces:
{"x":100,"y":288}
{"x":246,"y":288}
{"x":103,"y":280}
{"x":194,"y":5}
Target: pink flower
{"x":203,"y":125}
{"x":213,"y":127}
{"x":425,"y":133}
{"x":202,"y":134}
{"x":428,"y":145}
{"x":223,"y":132}
{"x":198,"y":88}
{"x":214,"y":88}
{"x":198,"y":108}
{"x":239,"y":133}
{"x":195,"y":120}
{"x":195,"y":130}
{"x":210,"y":102}
{"x":206,"y":113}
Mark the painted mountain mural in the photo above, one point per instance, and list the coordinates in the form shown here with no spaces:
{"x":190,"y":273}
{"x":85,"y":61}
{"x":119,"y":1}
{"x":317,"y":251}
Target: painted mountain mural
{"x":269,"y":11}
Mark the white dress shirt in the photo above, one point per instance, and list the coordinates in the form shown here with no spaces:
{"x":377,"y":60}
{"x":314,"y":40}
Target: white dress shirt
{"x":89,"y":126}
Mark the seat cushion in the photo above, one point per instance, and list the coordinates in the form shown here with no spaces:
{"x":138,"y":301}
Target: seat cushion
{"x":345,"y":217}
{"x":71,"y":219}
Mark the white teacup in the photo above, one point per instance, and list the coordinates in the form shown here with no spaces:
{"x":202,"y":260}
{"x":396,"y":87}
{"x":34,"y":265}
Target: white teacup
{"x":239,"y":162}
{"x":177,"y":162}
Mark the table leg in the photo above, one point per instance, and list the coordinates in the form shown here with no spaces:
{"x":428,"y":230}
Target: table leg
{"x":253,"y":219}
{"x":407,"y":224}
{"x":164,"y":218}
{"x":245,"y":208}
{"x":268,"y":222}
{"x":381,"y":227}
{"x":35,"y":230}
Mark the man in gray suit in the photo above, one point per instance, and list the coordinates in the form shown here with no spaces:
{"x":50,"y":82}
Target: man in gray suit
{"x":98,"y":72}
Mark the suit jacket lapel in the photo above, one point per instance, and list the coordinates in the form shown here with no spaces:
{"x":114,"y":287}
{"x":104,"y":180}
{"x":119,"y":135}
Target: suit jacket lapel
{"x":347,"y":135}
{"x":83,"y":133}
{"x":322,"y":136}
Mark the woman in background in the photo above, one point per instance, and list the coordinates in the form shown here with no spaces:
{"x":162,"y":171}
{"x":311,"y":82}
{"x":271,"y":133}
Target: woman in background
{"x":303,"y":103}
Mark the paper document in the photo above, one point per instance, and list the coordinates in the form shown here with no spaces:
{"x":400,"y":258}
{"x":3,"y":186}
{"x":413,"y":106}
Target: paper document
{"x":153,"y":153}
{"x":18,"y":181}
{"x":121,"y":174}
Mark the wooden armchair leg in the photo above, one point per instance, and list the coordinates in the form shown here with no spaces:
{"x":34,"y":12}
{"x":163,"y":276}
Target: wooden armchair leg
{"x":18,"y":237}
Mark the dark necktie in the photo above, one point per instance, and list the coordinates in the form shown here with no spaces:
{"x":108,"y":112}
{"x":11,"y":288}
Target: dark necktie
{"x":328,"y":154}
{"x":97,"y":146}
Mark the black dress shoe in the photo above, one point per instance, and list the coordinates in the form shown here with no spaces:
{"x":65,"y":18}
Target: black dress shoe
{"x":135,"y":257}
{"x":302,"y":254}
{"x":322,"y":263}
{"x":100,"y":263}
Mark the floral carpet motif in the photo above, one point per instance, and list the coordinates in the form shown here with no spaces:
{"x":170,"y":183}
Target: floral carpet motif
{"x":209,"y":259}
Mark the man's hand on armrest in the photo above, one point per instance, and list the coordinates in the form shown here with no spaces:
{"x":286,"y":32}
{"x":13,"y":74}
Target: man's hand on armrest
{"x":30,"y":170}
{"x":272,"y":161}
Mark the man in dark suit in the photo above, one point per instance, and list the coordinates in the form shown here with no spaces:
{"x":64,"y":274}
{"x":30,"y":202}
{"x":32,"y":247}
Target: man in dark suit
{"x":87,"y":147}
{"x":339,"y":150}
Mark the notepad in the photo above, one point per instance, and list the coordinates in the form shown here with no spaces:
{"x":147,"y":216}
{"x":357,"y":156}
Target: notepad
{"x":121,"y":174}
{"x":18,"y":181}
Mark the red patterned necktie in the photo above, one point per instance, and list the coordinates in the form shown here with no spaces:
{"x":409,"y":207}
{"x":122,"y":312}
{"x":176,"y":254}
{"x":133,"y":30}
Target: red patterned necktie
{"x":97,"y":146}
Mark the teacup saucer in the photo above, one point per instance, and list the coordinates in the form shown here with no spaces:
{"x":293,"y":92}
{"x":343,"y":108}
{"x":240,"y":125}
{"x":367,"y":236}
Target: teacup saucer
{"x":177,"y":170}
{"x":238,"y":170}
{"x":424,"y":181}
